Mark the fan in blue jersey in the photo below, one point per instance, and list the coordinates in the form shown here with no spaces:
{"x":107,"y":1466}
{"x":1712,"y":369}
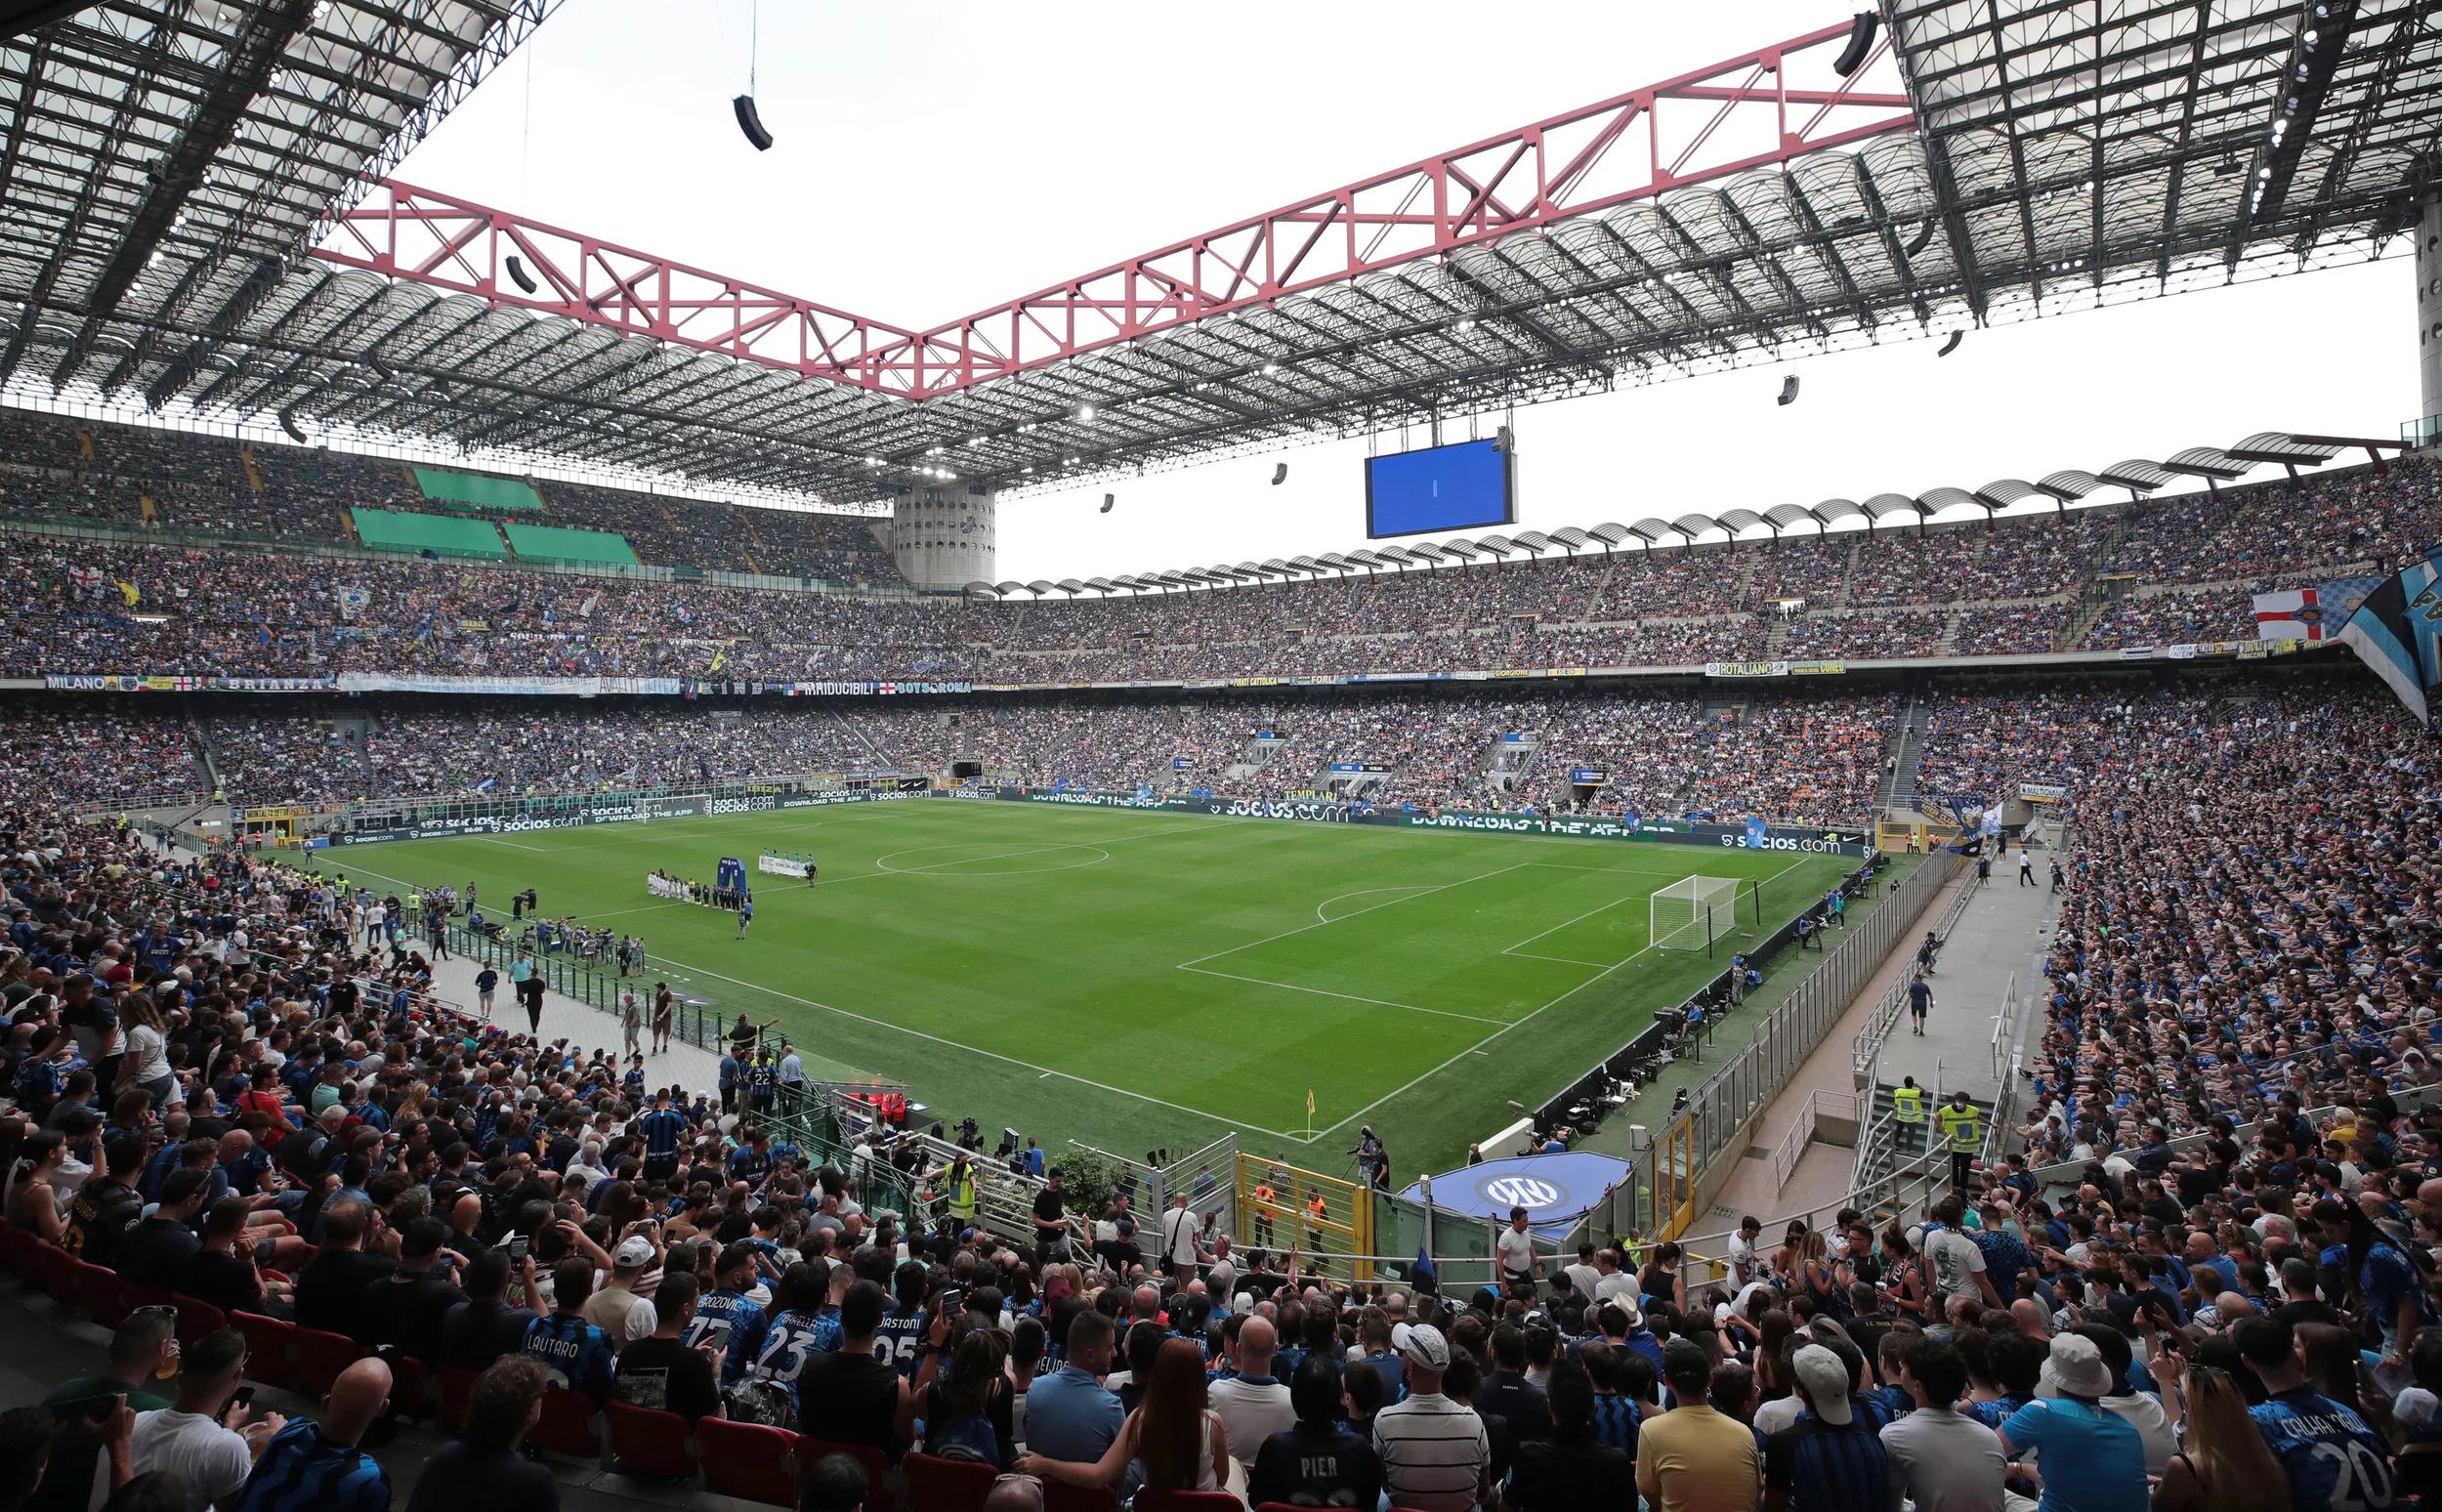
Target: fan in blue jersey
{"x":727,"y":1316}
{"x":899,"y":1336}
{"x":2335,"y":1462}
{"x":664,"y":1130}
{"x":2387,"y":1283}
{"x":573,"y":1353}
{"x":797,"y":1330}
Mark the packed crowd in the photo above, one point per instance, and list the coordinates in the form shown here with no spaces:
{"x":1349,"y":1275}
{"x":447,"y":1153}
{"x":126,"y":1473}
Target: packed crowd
{"x":1788,"y":756}
{"x":174,"y":480}
{"x":213,"y":1092}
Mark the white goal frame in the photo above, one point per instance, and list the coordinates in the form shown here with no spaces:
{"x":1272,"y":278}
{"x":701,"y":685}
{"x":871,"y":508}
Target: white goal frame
{"x":1692,"y":912}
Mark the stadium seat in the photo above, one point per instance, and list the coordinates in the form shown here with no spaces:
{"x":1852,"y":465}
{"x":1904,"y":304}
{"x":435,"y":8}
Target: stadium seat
{"x":457,"y":1389}
{"x":750,"y":1461}
{"x":58,"y":1272}
{"x":650,"y":1442}
{"x":1189,"y":1501}
{"x":1061,"y":1497}
{"x":939,"y":1484}
{"x":16,"y":1249}
{"x":197,"y":1319}
{"x":271,"y":1350}
{"x":135,"y":1296}
{"x":322,"y":1356}
{"x":877,"y":1496}
{"x":566,"y":1427}
{"x":99,"y":1295}
{"x":410,"y":1386}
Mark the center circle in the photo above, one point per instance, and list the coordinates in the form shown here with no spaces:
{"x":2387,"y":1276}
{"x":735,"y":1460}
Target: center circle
{"x":1026,"y":860}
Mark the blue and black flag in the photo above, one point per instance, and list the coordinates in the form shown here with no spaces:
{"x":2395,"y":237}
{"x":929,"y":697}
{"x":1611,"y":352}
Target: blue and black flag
{"x":2397,"y":631}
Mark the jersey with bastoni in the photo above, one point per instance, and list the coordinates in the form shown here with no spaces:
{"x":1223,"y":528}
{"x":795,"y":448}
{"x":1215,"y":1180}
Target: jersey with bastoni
{"x":900,"y":1340}
{"x":2335,"y":1463}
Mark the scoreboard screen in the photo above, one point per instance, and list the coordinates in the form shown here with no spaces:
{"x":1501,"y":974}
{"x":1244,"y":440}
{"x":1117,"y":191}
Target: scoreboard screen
{"x":1461,"y":487}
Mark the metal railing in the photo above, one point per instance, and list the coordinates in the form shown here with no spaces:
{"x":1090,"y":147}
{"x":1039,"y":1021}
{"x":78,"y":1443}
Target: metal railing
{"x":2005,"y":1029}
{"x":1802,"y":1133}
{"x":1866,"y":1048}
{"x":1720,"y":1110}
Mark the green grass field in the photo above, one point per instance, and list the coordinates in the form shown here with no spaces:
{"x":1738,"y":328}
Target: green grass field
{"x":1140,"y":979}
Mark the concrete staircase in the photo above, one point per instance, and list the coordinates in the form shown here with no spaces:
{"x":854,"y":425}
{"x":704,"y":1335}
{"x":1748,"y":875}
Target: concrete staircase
{"x":1901,"y":1181}
{"x":1899,"y":785}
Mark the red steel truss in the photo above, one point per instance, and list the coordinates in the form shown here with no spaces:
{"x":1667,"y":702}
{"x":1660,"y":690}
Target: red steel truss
{"x":1759,"y":109}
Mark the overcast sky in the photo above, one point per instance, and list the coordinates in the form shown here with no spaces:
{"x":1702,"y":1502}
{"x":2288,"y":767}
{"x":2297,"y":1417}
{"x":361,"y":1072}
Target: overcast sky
{"x":935,"y":158}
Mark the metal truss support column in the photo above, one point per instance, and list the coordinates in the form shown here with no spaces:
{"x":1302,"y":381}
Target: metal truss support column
{"x":2429,"y":310}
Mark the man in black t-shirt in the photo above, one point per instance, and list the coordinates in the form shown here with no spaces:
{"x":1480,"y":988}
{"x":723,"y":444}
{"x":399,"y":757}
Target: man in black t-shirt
{"x":1051,"y":1226}
{"x":859,"y":1399}
{"x":107,"y":1204}
{"x":483,"y":1327}
{"x":662,"y":1371}
{"x":330,"y":1288}
{"x":159,"y":1250}
{"x":1317,"y":1463}
{"x":405,"y":1308}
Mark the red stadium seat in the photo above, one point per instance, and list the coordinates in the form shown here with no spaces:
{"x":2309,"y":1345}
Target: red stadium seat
{"x":748,"y":1461}
{"x":197,"y":1319}
{"x":271,"y":1350}
{"x":144,"y":1296}
{"x":877,"y":1497}
{"x":410,"y":1387}
{"x":322,"y":1356}
{"x":947,"y":1484}
{"x":566,"y":1426}
{"x":99,"y":1295}
{"x":457,"y":1389}
{"x":1061,"y":1497}
{"x":646,"y":1442}
{"x":58,"y":1272}
{"x":16,"y":1249}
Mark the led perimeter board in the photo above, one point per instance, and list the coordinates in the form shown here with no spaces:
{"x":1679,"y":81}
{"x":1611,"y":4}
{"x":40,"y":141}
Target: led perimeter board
{"x":1461,"y":487}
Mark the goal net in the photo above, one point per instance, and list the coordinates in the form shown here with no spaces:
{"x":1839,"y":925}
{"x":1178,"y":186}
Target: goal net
{"x":1692,"y":912}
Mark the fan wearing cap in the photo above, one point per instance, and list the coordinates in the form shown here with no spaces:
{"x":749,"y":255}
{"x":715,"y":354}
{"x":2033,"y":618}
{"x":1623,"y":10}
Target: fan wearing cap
{"x":1827,"y":1461}
{"x":1436,"y":1456}
{"x":621,"y":1307}
{"x":2091,"y":1460}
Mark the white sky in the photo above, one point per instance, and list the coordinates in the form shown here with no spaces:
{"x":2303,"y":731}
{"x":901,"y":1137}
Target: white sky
{"x":933,"y":158}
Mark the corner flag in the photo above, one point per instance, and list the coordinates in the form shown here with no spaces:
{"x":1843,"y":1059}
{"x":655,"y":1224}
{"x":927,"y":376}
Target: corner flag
{"x":1309,"y":1110}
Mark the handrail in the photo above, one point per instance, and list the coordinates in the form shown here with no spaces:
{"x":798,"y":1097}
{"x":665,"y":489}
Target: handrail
{"x":2005,"y":1029}
{"x":1865,"y":1049}
{"x":1792,"y":1146}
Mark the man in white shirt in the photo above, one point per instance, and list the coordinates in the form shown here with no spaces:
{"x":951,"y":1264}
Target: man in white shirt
{"x":1743,"y":1264}
{"x":1939,"y":1458}
{"x":1221,"y":1276}
{"x":1253,"y":1406}
{"x":1586,"y":1278}
{"x":198,"y":1439}
{"x":1178,"y":1239}
{"x":1520,"y":1265}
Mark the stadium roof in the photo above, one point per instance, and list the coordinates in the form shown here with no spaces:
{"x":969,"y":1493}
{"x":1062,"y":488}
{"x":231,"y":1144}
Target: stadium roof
{"x":1994,"y":160}
{"x":2139,"y":476}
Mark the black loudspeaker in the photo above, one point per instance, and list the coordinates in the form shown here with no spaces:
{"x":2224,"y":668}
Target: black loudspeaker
{"x":1788,"y":390}
{"x":1107,"y":500}
{"x":750,"y":121}
{"x":1861,"y":33}
{"x":1952,"y":345}
{"x":1280,"y":474}
{"x":1922,"y":238}
{"x":1501,"y":441}
{"x":296,"y":432}
{"x":519,"y":276}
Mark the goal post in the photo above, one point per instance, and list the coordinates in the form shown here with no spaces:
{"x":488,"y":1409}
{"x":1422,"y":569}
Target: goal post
{"x":1695,"y":911}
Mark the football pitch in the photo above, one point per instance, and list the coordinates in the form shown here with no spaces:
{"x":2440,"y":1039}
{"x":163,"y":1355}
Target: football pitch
{"x":1135,"y":978}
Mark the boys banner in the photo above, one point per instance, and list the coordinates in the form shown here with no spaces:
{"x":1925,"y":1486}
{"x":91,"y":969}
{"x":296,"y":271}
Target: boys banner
{"x":2398,"y":632}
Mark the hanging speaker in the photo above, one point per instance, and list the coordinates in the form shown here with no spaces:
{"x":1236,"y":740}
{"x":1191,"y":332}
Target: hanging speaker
{"x":519,"y":276}
{"x":750,"y":121}
{"x":1107,"y":500}
{"x":1788,"y":390}
{"x":1861,"y":33}
{"x":1500,"y":441}
{"x":1280,"y":474}
{"x":1952,"y":345}
{"x":296,"y":432}
{"x":1923,"y":237}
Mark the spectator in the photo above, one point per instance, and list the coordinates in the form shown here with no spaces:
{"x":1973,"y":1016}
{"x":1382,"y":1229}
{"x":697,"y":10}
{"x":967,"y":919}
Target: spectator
{"x":317,"y":1467}
{"x":857,"y":1396}
{"x":480,"y":1469}
{"x":1249,"y":1403}
{"x":1939,"y":1458}
{"x":1693,"y":1458}
{"x":143,"y":1349}
{"x":1178,"y":1443}
{"x":573,"y":1353}
{"x":1436,"y":1455}
{"x":331,"y":1287}
{"x":407,"y":1309}
{"x":1569,"y":1469}
{"x":1070,"y":1414}
{"x":2093,"y":1461}
{"x":662,"y":1370}
{"x":203,"y":1439}
{"x":1828,"y":1461}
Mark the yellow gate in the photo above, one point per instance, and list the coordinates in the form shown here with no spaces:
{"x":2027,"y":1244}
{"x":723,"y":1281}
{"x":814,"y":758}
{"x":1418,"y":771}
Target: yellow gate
{"x":1673,"y":1177}
{"x":1282,"y":1207}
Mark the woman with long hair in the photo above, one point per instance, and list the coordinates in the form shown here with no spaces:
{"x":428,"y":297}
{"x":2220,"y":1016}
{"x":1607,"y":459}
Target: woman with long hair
{"x":145,"y":1067}
{"x":1658,"y":1282}
{"x":34,"y":1199}
{"x":2225,"y":1465}
{"x":1174,"y":1435}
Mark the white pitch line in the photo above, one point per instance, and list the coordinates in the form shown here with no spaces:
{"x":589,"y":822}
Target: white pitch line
{"x":990,"y":1055}
{"x":1345,"y":917}
{"x":1557,"y":960}
{"x":1478,"y":1046}
{"x":647,"y":908}
{"x":1563,"y":924}
{"x":539,"y":850}
{"x":935,"y":867}
{"x":1363,"y":892}
{"x":1379,"y":1002}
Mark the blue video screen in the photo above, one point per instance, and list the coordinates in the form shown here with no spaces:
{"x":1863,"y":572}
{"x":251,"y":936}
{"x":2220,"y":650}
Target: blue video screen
{"x":1461,"y":487}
